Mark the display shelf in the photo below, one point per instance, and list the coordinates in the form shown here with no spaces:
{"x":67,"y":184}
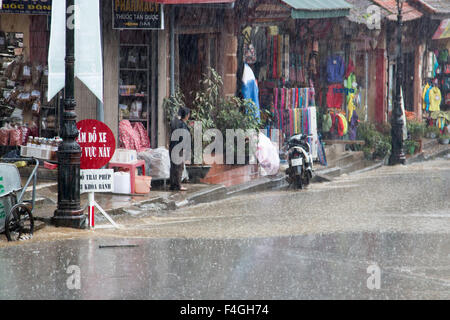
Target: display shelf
{"x":134,"y":71}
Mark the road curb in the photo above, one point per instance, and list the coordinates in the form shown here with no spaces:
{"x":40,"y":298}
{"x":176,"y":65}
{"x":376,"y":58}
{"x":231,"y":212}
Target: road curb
{"x":421,"y":157}
{"x":371,"y":168}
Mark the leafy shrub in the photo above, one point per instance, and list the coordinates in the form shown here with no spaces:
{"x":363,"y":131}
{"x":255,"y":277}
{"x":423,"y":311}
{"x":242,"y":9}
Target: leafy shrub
{"x":173,"y":104}
{"x":409,"y":144}
{"x":377,"y":145}
{"x":416,"y":129}
{"x":433,"y":129}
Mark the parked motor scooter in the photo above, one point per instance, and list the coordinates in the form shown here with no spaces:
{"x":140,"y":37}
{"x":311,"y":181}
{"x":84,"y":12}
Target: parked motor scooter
{"x":300,"y":171}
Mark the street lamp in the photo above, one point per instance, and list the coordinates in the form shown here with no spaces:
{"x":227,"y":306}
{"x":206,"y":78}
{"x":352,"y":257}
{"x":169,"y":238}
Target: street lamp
{"x":69,"y":212}
{"x":397,"y":155}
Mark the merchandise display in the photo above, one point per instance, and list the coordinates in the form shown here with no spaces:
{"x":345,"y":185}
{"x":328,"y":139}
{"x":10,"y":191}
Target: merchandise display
{"x":436,"y":89}
{"x":24,"y":110}
{"x":133,"y":83}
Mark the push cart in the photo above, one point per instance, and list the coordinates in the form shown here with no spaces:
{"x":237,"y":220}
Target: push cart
{"x":16,"y":214}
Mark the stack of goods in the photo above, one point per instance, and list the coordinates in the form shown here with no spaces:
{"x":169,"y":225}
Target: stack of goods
{"x":21,"y":83}
{"x":15,"y":134}
{"x":41,"y":148}
{"x":133,"y":137}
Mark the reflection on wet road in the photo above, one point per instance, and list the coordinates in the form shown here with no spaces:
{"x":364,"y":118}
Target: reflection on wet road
{"x":303,"y":267}
{"x":323,"y":242}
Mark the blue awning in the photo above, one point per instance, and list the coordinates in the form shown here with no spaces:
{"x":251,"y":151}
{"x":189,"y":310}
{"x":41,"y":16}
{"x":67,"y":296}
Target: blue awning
{"x":318,"y":9}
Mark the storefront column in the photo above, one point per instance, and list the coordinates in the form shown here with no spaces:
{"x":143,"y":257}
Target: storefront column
{"x":163,"y":80}
{"x":230,"y":48}
{"x":380,"y":99}
{"x":419,"y":52}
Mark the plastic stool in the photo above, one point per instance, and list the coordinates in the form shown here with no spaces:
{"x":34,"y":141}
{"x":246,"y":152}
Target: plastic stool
{"x":132,"y":167}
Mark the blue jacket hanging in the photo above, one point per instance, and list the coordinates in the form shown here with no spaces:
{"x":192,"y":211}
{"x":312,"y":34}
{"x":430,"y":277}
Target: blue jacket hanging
{"x":250,"y":89}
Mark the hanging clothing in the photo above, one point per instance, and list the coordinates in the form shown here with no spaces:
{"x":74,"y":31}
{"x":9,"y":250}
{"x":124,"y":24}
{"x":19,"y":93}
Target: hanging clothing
{"x":435,"y":99}
{"x":335,"y":69}
{"x":327,"y":123}
{"x":250,"y":90}
{"x":335,"y":96}
{"x":342,"y":125}
{"x":351,"y":106}
{"x":260,"y":44}
{"x":350,"y":68}
{"x":352,"y":131}
{"x":425,"y":105}
{"x":432,"y":65}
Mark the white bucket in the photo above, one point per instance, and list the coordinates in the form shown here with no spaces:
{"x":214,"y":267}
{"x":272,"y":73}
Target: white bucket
{"x":122,"y":182}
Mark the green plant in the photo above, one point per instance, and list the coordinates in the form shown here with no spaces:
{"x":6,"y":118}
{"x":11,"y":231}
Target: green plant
{"x":173,"y":104}
{"x":444,"y":136}
{"x":433,"y":130}
{"x":368,"y":154}
{"x":383,"y":147}
{"x":411,"y":146}
{"x":416,"y":129}
{"x":214,"y":111}
{"x":377,"y":144}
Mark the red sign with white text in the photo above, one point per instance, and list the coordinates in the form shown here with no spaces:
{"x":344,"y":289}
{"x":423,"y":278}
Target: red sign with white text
{"x":97,"y":143}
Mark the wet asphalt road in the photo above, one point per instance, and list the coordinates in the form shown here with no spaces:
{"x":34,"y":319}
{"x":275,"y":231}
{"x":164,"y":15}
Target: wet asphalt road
{"x":313,"y":244}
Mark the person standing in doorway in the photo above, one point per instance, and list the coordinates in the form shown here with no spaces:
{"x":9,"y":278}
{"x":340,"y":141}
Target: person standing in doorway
{"x":176,"y":168}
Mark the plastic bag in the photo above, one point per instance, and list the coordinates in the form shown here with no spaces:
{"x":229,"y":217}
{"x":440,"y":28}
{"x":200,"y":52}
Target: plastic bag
{"x":267,"y":155}
{"x":4,"y":136}
{"x":143,"y":135}
{"x":25,"y":132}
{"x":136,"y":110}
{"x":128,"y":137}
{"x":157,"y":163}
{"x":15,"y":137}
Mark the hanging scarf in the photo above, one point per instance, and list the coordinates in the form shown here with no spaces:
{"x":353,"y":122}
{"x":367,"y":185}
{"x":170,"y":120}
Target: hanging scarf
{"x":286,"y":56}
{"x":280,"y":56}
{"x":274,"y":56}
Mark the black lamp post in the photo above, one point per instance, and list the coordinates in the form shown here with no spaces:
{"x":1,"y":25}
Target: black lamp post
{"x":397,"y":155}
{"x":69,"y":212}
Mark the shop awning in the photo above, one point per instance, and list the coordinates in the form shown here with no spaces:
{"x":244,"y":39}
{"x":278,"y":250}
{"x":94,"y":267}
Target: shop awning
{"x":409,"y":13}
{"x":437,"y":9}
{"x":443,"y":31}
{"x":318,"y":9}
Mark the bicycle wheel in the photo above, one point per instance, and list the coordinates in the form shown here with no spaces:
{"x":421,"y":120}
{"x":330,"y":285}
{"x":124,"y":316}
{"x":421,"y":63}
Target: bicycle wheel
{"x":19,"y":223}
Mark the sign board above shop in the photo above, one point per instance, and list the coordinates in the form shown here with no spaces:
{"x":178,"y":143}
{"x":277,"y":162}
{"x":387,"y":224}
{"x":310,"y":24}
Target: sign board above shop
{"x":42,"y":7}
{"x":138,"y":14}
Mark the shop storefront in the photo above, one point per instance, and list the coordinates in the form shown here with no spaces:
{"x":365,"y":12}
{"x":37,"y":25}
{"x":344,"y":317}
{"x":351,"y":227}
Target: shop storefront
{"x":309,"y":66}
{"x":24,"y":109}
{"x":137,"y":67}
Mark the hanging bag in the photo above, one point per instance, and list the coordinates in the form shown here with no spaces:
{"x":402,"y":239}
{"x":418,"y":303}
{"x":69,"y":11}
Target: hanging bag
{"x":249,"y":48}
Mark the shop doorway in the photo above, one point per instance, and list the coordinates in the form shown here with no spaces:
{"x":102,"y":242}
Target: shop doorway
{"x":190,"y":66}
{"x":197,"y":52}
